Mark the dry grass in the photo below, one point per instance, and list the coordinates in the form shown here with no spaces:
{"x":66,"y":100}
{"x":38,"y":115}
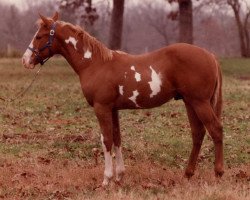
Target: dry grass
{"x":47,"y":137}
{"x":39,"y":178}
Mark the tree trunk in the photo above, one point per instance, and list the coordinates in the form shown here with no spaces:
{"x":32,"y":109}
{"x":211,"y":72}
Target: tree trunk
{"x":243,"y":48}
{"x":242,"y":28}
{"x":185,"y":21}
{"x":115,"y":38}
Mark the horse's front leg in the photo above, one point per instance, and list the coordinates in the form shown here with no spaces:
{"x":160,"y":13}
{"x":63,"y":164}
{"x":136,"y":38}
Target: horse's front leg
{"x":104,"y":116}
{"x":119,"y":168}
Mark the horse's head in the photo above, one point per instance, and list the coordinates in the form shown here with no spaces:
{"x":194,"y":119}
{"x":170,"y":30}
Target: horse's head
{"x":42,"y":46}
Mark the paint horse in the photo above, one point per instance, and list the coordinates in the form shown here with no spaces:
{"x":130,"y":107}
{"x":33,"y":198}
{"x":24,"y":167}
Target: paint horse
{"x":114,"y":80}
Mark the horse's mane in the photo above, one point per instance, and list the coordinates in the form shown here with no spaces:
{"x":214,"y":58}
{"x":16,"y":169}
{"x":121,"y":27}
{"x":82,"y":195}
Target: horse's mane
{"x":91,"y":43}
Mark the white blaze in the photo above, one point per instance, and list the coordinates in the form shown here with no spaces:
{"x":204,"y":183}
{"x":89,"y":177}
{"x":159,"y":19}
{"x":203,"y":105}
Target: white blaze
{"x":28,"y":53}
{"x":88,"y":54}
{"x":72,"y":40}
{"x":108,"y":172}
{"x":134,"y":96}
{"x":155,"y":83}
{"x":121,"y":89}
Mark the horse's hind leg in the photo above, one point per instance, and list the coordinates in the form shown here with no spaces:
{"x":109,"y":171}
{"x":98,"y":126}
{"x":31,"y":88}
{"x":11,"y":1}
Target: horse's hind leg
{"x":117,"y":146}
{"x":198,"y":132}
{"x":206,"y":114}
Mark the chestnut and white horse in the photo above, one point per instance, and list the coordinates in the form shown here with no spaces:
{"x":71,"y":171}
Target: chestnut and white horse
{"x":114,"y":80}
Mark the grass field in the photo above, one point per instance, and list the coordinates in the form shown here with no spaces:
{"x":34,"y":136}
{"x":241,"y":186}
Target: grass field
{"x":48,"y":136}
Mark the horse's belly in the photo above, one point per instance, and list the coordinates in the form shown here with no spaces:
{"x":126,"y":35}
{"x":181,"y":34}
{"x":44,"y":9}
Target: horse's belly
{"x":143,"y":99}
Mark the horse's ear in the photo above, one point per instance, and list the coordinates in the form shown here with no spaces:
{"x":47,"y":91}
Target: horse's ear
{"x":45,"y":20}
{"x":56,"y":16}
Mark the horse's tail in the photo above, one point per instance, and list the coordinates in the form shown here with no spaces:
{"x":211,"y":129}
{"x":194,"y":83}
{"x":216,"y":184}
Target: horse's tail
{"x":216,"y":100}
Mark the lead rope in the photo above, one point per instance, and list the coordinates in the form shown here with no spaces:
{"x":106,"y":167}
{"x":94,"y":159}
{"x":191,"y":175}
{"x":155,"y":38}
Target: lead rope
{"x":23,"y":92}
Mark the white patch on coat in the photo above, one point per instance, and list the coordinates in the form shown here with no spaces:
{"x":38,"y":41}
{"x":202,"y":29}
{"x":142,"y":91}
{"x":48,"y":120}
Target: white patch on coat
{"x":108,"y":172}
{"x":137,"y":75}
{"x":155,"y":83}
{"x":119,"y":163}
{"x":72,"y":40}
{"x":125,"y":76}
{"x":121,"y":89}
{"x":134,"y":96}
{"x":88,"y":54}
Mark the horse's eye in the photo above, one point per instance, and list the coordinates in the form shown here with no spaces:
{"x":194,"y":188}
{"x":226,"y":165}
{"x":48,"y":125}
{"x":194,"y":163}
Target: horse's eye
{"x":38,"y":37}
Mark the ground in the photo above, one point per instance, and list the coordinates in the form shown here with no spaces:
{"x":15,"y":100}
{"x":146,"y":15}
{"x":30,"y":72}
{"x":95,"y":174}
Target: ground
{"x":50,"y":142}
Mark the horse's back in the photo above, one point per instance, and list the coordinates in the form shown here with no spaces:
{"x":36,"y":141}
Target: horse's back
{"x":177,"y":71}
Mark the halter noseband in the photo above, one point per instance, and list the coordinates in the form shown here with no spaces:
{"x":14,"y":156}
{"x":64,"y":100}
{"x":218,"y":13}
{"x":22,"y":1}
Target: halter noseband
{"x":46,"y":46}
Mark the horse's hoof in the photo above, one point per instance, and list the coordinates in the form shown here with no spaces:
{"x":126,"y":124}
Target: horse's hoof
{"x":119,"y":177}
{"x":189,"y":173}
{"x":219,"y":173}
{"x":106,"y":181}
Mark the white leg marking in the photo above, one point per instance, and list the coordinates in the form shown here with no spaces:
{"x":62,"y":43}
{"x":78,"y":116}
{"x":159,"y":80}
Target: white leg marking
{"x":155,"y":83}
{"x":88,"y":54}
{"x":72,"y":40}
{"x":121,"y":89}
{"x":108,"y":172}
{"x":119,"y":164}
{"x":133,"y":98}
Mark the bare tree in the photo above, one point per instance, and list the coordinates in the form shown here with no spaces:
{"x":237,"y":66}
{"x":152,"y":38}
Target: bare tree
{"x":155,"y":16}
{"x":115,"y":38}
{"x":185,"y":20}
{"x":241,"y":11}
{"x":242,"y":24}
{"x":11,"y":30}
{"x":84,"y":9}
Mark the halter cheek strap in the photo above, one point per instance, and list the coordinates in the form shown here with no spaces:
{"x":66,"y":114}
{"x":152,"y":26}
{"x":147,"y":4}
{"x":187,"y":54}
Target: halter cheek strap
{"x":46,"y":46}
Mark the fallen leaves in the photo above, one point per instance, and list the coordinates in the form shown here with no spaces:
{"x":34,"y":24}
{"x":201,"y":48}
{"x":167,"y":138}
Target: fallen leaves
{"x":243,"y":175}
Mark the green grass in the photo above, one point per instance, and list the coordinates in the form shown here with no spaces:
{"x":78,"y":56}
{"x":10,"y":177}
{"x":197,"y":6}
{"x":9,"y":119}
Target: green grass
{"x":50,"y":118}
{"x":235,"y":67}
{"x":55,"y":106}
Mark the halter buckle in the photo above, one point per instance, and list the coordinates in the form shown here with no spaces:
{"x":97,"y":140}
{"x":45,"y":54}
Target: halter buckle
{"x":52,"y":32}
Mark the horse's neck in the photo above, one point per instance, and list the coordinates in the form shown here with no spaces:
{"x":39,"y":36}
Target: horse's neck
{"x":81,"y":57}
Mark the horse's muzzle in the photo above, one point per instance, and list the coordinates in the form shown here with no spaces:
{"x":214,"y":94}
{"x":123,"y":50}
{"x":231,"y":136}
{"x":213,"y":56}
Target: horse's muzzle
{"x":27,"y":62}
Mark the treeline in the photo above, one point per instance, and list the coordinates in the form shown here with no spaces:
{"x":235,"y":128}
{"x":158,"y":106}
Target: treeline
{"x":146,"y":26}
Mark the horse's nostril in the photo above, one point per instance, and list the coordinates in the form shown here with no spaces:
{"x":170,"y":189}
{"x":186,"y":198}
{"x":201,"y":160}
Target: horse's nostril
{"x":23,"y":61}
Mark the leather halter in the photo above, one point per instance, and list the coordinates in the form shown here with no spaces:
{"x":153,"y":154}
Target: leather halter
{"x":46,"y":46}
